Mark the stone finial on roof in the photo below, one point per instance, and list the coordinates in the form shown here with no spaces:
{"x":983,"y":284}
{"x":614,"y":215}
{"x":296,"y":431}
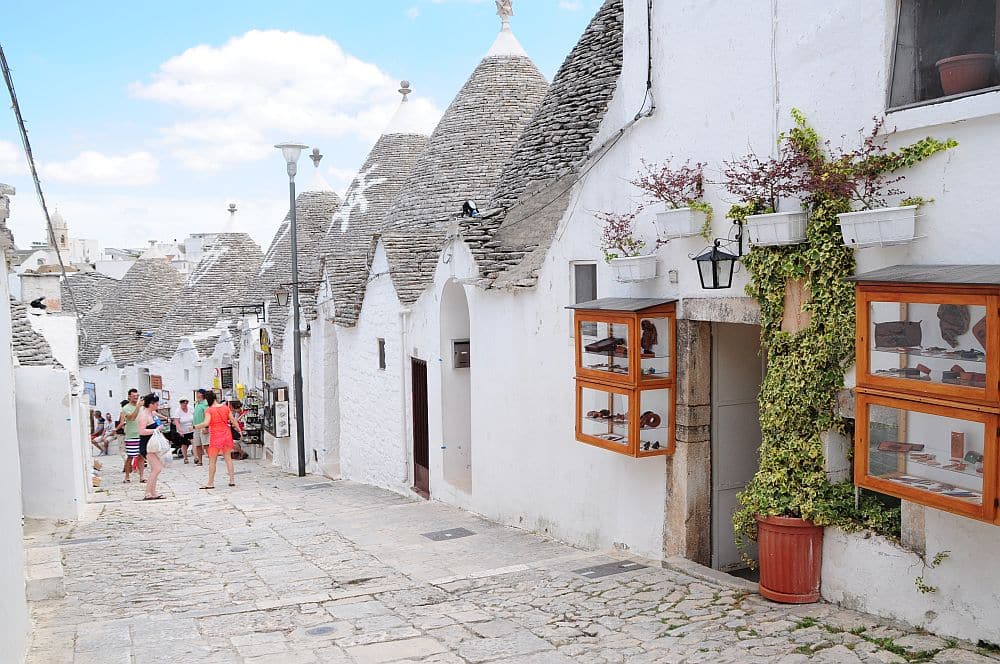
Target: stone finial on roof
{"x":405,"y":121}
{"x":506,"y":44}
{"x":318,"y":182}
{"x":232,"y":224}
{"x":405,"y":89}
{"x":316,"y":157}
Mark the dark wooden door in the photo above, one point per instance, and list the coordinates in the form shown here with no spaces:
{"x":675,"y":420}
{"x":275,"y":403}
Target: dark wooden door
{"x":421,"y":438}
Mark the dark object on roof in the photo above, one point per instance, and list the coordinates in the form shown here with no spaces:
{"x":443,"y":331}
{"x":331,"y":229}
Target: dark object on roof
{"x":38,"y":303}
{"x":953,"y":275}
{"x":30,"y":348}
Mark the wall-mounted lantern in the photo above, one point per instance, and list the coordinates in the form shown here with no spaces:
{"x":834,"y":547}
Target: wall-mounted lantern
{"x":716,"y":265}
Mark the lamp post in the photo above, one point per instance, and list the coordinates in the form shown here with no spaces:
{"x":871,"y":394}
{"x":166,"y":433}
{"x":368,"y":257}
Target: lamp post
{"x":291,"y":152}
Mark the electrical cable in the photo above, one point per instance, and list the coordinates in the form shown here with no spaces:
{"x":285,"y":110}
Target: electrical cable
{"x":38,"y":186}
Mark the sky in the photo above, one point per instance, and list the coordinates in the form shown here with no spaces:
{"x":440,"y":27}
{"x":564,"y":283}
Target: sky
{"x":147,"y":119}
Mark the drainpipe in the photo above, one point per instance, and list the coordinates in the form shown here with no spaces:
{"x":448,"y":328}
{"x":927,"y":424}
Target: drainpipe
{"x":404,"y":319}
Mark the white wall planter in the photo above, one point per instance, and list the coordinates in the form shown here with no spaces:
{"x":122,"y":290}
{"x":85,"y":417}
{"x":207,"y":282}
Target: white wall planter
{"x":778,"y":229}
{"x":634,"y":268}
{"x":883,"y":227}
{"x":673,"y":223}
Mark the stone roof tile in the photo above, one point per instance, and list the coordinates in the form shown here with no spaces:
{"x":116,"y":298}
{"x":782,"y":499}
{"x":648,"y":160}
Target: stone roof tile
{"x":30,"y":348}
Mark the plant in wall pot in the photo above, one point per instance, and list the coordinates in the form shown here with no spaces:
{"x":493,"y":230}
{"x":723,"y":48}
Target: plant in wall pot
{"x":763,"y":184}
{"x":623,"y":250}
{"x":680,"y":190}
{"x":865,"y":177}
{"x":790,"y":499}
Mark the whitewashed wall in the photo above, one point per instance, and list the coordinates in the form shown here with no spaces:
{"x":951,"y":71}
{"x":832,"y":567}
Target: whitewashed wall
{"x":14,"y":623}
{"x":374,"y":443}
{"x":50,"y":436}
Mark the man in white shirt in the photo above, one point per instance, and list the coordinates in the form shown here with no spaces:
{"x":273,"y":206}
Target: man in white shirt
{"x":184,"y":426}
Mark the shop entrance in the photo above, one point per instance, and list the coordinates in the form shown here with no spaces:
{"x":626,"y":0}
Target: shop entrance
{"x":737,"y":372}
{"x":421,"y":437}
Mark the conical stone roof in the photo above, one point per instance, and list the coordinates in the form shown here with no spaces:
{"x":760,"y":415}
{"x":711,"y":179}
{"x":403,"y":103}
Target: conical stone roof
{"x":462,"y":162}
{"x":535,"y":187}
{"x":126,"y":322}
{"x":347,"y":245}
{"x":29,"y":347}
{"x":229,"y":262}
{"x":313,"y":210}
{"x":89,"y":288}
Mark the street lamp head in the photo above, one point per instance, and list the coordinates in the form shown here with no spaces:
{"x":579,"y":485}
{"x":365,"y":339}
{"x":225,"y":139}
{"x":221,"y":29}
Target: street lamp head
{"x":291,"y":152}
{"x":281,"y":296}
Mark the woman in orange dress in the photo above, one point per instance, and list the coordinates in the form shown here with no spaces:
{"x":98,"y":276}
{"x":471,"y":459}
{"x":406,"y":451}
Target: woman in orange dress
{"x":218,"y":420}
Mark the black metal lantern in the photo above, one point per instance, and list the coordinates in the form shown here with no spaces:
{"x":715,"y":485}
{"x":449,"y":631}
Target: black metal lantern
{"x":715,"y":267}
{"x":281,"y":295}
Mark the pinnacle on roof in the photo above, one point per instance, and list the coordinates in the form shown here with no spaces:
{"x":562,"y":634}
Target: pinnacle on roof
{"x":318,"y":182}
{"x":405,"y":120}
{"x":232,"y":224}
{"x":506,"y":44}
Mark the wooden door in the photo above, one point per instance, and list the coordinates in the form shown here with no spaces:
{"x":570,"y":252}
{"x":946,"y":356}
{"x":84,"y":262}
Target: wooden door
{"x":421,"y":437}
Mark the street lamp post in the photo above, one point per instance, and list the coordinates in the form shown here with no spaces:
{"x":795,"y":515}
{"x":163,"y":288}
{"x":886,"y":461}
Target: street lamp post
{"x":291,"y":152}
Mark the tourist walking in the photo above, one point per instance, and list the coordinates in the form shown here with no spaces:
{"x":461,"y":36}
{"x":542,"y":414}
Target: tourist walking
{"x":149,"y":421}
{"x":130,"y":413}
{"x":200,"y":440}
{"x":184,"y":427}
{"x":219,"y":422}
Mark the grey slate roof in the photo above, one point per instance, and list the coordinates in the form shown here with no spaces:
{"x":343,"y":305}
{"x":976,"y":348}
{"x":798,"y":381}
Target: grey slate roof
{"x":89,"y":289}
{"x":127,"y":315}
{"x":348,"y":242}
{"x":462,"y":162}
{"x":30,"y":348}
{"x":313,"y":211}
{"x":229,"y":262}
{"x":535,"y":187}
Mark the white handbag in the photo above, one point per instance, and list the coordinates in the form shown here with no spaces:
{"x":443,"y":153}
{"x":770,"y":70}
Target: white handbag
{"x":158,"y":444}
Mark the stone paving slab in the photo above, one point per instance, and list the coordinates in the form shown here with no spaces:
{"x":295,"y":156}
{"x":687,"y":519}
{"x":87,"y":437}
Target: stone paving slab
{"x":273,"y":572}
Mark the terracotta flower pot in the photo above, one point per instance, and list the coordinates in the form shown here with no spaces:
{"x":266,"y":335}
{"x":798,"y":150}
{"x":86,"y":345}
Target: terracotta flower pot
{"x":964,"y":73}
{"x":791,"y":558}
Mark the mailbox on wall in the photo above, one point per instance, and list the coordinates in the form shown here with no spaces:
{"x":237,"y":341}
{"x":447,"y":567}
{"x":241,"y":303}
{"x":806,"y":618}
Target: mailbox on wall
{"x":276,"y":413}
{"x":461,"y":354}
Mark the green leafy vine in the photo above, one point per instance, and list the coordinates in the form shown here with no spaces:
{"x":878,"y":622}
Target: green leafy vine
{"x":806,"y":368}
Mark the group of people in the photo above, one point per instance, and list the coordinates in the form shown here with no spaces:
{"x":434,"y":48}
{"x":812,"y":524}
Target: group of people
{"x":211,"y":427}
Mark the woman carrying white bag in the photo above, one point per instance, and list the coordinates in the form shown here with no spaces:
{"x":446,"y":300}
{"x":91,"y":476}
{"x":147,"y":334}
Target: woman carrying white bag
{"x":153,"y":445}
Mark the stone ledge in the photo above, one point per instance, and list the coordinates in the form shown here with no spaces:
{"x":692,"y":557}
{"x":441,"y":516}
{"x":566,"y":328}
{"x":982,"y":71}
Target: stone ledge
{"x":691,"y":568}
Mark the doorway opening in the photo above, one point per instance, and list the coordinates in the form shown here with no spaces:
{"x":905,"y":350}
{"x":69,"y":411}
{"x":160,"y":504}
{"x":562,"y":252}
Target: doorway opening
{"x":737,"y":372}
{"x":456,"y":388}
{"x":421,"y":436}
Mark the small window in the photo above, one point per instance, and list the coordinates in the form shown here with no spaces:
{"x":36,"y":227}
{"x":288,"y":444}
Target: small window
{"x":584,"y":276}
{"x":110,"y":394}
{"x":381,"y":353}
{"x":944,"y":48}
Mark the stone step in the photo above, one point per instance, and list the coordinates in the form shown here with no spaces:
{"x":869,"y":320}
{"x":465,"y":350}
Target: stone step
{"x":44,"y":573}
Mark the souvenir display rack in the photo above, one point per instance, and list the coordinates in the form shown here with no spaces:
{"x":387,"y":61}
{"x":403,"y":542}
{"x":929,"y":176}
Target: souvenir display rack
{"x":625,"y":375}
{"x":928,"y":386}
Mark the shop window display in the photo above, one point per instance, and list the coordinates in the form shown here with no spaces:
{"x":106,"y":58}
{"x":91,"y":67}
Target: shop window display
{"x":625,"y":375}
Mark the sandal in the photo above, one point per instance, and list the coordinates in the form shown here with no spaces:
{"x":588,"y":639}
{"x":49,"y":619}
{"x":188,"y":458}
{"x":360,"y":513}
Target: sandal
{"x":160,"y":497}
{"x":232,"y":484}
{"x":127,"y":481}
{"x":206,"y":487}
{"x":142,"y":481}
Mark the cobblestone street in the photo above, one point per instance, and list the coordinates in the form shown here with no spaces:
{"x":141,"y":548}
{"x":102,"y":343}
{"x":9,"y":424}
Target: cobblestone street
{"x":297,"y":570}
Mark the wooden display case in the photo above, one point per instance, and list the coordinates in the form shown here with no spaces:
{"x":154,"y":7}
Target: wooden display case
{"x":928,"y":386}
{"x":625,"y":369}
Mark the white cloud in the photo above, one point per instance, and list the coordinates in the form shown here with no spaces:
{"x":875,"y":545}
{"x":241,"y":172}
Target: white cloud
{"x":266,"y":86}
{"x":95,"y":168}
{"x":570,"y":5}
{"x":11,"y":160}
{"x":413,"y":12}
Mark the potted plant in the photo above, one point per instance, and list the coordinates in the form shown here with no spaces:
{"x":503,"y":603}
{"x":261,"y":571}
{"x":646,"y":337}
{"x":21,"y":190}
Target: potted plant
{"x":680,"y":191}
{"x":864,"y":176}
{"x":623,"y":250}
{"x":763,"y":184}
{"x":965,"y":73}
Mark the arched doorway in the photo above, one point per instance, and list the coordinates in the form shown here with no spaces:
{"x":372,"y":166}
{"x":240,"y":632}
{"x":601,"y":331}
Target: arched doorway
{"x":456,"y":388}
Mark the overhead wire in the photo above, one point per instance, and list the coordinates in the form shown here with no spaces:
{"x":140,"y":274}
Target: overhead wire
{"x":38,"y":186}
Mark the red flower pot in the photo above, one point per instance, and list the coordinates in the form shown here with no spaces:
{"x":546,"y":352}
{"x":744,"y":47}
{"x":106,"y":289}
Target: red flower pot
{"x":964,"y":73}
{"x":791,"y":558}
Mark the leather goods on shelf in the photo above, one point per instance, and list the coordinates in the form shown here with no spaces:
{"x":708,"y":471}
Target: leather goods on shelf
{"x":649,"y":336}
{"x":893,"y":334}
{"x":954,"y":320}
{"x":979,"y":332}
{"x":649,"y":420}
{"x":604,"y":345}
{"x":891,"y":446}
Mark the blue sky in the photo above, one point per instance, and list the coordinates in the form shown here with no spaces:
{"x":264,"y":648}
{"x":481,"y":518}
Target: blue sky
{"x":148,"y":118}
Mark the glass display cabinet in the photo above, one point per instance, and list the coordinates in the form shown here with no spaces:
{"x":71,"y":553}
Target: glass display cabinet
{"x":625,"y":368}
{"x":928,"y":388}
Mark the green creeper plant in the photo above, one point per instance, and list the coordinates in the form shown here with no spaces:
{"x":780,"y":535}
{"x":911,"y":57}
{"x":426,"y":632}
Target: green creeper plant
{"x":806,"y":369}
